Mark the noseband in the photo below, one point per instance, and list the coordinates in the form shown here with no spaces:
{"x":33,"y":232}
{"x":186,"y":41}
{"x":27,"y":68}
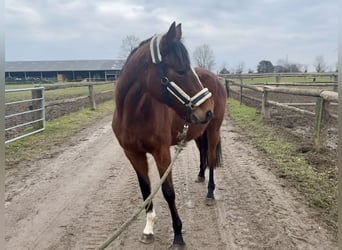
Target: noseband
{"x":169,"y":86}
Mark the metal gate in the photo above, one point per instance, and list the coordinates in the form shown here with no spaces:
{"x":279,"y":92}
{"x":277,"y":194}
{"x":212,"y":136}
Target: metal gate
{"x":30,"y":119}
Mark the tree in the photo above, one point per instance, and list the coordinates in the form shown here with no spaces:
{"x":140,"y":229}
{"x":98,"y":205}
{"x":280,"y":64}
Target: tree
{"x":265,"y":66}
{"x":224,"y":70}
{"x":128,"y":44}
{"x":239,"y":68}
{"x":319,"y":64}
{"x":284,"y":66}
{"x":204,"y":57}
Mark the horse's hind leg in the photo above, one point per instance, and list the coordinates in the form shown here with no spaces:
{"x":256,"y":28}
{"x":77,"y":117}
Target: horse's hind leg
{"x":139,"y":162}
{"x":214,"y":160}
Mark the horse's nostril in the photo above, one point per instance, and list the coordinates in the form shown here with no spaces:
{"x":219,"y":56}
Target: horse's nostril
{"x":209,"y":115}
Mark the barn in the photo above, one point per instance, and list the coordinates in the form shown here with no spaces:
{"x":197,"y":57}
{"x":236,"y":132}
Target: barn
{"x":63,"y":71}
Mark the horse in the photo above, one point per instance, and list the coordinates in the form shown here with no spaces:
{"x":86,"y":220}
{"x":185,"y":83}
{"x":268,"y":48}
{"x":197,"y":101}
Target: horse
{"x":156,"y":93}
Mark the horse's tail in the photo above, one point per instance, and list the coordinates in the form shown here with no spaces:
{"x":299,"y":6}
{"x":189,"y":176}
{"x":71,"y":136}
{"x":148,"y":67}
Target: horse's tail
{"x":203,"y":147}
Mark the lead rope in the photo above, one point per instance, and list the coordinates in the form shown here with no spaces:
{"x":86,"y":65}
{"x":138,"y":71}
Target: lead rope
{"x":180,"y":146}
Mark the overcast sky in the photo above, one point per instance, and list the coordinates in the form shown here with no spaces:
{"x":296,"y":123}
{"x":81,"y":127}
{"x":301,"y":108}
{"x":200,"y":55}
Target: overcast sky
{"x":237,"y":31}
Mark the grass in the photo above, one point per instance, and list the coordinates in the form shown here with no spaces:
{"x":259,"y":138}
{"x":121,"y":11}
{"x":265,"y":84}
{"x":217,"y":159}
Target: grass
{"x":57,"y":131}
{"x":290,"y":79}
{"x":319,"y":190}
{"x":50,"y":95}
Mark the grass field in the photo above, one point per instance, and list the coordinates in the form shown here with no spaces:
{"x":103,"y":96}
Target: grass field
{"x":50,"y":95}
{"x":290,"y":79}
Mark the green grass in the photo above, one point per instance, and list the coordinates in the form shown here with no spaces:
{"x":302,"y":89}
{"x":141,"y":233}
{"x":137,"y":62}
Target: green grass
{"x":286,"y":80}
{"x":319,"y":190}
{"x":57,"y":131}
{"x":57,"y":94}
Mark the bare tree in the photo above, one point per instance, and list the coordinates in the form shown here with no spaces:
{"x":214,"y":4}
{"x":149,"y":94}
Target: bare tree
{"x":204,"y":57}
{"x":319,"y":64}
{"x":128,"y":44}
{"x":239,"y":68}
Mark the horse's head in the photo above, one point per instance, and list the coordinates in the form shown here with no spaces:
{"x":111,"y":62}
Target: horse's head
{"x":181,"y":88}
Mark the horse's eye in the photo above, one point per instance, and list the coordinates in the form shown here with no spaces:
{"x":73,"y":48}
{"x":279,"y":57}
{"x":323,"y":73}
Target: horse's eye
{"x":181,"y":72}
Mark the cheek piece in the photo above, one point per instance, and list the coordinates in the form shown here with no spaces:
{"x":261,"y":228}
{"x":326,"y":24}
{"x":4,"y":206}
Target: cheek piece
{"x":171,"y":87}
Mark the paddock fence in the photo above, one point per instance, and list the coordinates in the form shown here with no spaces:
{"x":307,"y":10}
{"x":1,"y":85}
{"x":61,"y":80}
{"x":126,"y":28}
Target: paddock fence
{"x":27,"y":116}
{"x":321,"y":112}
{"x":35,"y":115}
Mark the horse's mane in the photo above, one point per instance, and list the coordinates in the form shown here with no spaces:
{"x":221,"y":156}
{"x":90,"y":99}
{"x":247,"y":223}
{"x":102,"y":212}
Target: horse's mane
{"x":182,"y":64}
{"x":122,"y":89}
{"x":135,"y":49}
{"x":182,"y":55}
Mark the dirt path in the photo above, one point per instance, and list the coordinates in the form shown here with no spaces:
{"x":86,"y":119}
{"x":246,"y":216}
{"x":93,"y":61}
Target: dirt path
{"x":78,"y":197}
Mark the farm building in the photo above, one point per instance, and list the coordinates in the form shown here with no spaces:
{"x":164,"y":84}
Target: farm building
{"x":63,"y":71}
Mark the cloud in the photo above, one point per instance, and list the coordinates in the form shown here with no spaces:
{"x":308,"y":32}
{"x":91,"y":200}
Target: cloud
{"x":237,"y":30}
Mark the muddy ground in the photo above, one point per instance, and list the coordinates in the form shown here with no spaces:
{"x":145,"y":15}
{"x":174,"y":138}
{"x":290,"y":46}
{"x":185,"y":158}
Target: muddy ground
{"x":75,"y":196}
{"x":299,"y":128}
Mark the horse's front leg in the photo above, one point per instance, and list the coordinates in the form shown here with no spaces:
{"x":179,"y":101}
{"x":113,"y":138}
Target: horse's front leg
{"x":202,"y":145}
{"x":163,"y":160}
{"x":139,"y":162}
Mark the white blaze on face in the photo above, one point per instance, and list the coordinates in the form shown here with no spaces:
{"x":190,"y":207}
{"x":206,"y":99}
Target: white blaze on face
{"x":150,"y":218}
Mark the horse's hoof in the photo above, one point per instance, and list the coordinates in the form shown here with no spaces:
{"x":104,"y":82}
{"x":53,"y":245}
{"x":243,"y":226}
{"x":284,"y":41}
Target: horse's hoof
{"x":178,"y":247}
{"x":210,"y":201}
{"x":200,"y":179}
{"x":147,"y":238}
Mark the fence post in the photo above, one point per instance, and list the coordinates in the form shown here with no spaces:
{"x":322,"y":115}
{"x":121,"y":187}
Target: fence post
{"x":265,"y":107}
{"x":227,"y":87}
{"x":92,"y":97}
{"x":320,"y":133}
{"x":36,"y":105}
{"x":241,"y":88}
{"x":336,"y":81}
{"x":335,"y":78}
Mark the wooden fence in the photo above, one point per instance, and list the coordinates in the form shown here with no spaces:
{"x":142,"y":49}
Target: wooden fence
{"x":278,"y":76}
{"x":323,"y":99}
{"x":17,"y":119}
{"x":91,"y":95}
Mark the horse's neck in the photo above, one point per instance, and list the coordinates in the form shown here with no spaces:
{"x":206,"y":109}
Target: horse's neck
{"x":138,"y":105}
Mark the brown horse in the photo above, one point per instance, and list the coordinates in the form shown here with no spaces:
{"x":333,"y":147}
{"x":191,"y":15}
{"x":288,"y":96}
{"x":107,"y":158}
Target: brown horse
{"x":156,"y":94}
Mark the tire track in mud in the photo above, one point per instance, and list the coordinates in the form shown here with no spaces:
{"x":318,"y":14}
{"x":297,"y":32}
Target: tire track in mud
{"x":78,"y":200}
{"x":260,"y":213}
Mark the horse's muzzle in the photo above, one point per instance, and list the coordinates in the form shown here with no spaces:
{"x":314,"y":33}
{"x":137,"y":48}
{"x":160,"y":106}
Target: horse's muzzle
{"x":206,"y":119}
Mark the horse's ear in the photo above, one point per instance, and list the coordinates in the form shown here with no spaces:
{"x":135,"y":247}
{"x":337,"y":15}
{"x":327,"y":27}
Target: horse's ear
{"x":179,"y":31}
{"x":173,"y":33}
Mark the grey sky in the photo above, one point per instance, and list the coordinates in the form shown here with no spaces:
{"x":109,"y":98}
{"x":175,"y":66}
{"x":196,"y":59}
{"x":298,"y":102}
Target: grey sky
{"x":237,"y":30}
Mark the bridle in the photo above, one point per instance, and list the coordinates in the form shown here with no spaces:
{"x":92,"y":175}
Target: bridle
{"x":169,"y":86}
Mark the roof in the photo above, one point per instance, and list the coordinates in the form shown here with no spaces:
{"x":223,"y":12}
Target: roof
{"x":70,"y":65}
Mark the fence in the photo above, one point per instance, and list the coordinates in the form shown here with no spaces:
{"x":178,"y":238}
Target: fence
{"x":323,"y":97}
{"x":278,"y":76}
{"x":91,"y":90}
{"x":33,"y":120}
{"x":37,"y":112}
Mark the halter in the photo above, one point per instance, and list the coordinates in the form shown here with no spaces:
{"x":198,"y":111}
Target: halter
{"x":169,"y":86}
